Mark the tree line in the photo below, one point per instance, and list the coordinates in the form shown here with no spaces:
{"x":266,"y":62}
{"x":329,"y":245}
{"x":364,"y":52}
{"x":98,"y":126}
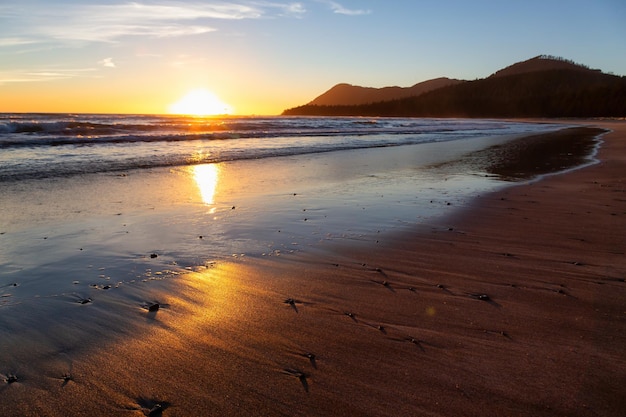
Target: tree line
{"x":550,"y":93}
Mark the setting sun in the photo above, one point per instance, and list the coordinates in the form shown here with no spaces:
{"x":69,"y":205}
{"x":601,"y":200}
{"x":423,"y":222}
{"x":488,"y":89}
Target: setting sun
{"x":200,"y":103}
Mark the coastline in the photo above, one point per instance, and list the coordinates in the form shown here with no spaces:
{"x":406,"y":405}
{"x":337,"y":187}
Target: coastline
{"x":549,"y":254}
{"x":399,"y":330}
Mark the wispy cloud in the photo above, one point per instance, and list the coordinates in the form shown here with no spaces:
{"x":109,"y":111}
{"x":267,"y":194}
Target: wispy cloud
{"x":23,"y":76}
{"x":111,"y":22}
{"x":15,"y":41}
{"x":340,"y":9}
{"x":108,"y":23}
{"x":37,"y":27}
{"x":293,"y":9}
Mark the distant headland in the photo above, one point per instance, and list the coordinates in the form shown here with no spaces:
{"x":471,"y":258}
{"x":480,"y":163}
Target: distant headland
{"x":543,"y":86}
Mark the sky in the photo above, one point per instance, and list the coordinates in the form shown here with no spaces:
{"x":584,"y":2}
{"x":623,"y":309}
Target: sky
{"x":260,"y":57}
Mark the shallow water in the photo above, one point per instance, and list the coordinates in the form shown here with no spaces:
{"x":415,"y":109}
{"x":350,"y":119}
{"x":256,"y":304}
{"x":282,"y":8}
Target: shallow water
{"x":80,"y":234}
{"x":63,"y":233}
{"x":77,"y":235}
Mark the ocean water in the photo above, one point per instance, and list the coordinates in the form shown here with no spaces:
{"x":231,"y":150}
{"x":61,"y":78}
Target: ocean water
{"x":87,"y":179}
{"x":34,"y":146}
{"x":102,"y":202}
{"x":101,"y":214}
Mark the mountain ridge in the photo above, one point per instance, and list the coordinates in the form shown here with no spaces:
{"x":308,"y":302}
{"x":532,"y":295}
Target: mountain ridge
{"x":543,"y":86}
{"x":347,"y":94}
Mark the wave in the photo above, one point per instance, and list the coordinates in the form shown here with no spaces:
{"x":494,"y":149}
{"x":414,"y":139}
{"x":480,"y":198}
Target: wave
{"x":62,"y":167}
{"x":70,"y":128}
{"x":45,"y":130}
{"x":45,"y":146}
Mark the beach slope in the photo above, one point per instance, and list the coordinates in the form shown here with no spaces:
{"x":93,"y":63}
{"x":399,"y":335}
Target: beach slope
{"x":514,"y":307}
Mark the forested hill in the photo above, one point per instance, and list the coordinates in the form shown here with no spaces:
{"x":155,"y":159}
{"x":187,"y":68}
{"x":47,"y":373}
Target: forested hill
{"x":539,"y":87}
{"x":347,"y":94}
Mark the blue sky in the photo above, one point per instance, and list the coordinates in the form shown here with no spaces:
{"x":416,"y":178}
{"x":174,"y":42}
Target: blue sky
{"x":264,"y":56}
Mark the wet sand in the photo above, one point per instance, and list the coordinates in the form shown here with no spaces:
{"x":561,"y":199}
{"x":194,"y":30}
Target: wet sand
{"x":512,"y":307}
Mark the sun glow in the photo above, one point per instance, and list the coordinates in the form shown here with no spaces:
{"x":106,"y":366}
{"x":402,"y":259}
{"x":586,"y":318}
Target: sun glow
{"x":200,"y":102}
{"x":206,"y":177}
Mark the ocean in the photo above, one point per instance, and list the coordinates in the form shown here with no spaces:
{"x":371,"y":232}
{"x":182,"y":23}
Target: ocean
{"x":34,"y":146}
{"x":93,"y":202}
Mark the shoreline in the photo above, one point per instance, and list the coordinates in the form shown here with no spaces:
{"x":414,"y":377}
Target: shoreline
{"x":550,"y":250}
{"x":404,"y":329}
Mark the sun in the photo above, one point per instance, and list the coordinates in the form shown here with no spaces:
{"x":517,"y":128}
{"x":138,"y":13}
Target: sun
{"x":200,"y":102}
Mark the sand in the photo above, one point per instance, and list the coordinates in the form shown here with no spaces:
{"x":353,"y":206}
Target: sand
{"x":513,"y":307}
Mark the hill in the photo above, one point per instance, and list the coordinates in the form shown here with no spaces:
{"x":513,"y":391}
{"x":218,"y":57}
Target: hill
{"x":539,"y":87}
{"x":541,"y":63}
{"x":349,"y":95}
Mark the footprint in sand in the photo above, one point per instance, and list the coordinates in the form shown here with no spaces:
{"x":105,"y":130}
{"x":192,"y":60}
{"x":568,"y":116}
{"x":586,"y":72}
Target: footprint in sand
{"x":311,"y":357}
{"x":293,"y":303}
{"x":153,"y":306}
{"x":385,"y":284}
{"x":11,"y":378}
{"x":151,"y":407}
{"x":351,"y":315}
{"x":300,"y":375}
{"x":65,"y":379}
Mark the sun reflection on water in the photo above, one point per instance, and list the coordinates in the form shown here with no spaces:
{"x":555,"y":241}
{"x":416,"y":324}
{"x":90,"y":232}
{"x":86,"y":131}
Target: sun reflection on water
{"x":206,"y":177}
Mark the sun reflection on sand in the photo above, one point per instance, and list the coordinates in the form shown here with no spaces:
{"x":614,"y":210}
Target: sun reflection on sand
{"x":206,"y":177}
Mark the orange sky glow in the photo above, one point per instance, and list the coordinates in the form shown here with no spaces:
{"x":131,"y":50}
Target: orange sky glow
{"x":260,"y":58}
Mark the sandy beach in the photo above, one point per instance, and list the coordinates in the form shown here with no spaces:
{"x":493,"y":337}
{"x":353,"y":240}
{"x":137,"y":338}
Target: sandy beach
{"x":514,"y":306}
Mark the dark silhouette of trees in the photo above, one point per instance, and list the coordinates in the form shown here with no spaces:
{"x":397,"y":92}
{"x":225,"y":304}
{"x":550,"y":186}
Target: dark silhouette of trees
{"x":570,"y":92}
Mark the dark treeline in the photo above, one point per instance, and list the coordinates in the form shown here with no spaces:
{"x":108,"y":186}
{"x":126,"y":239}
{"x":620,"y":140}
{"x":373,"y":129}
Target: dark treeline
{"x":550,"y":93}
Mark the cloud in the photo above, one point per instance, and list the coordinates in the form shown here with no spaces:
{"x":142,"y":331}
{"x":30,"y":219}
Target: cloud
{"x":15,"y":41}
{"x":110,"y":22}
{"x":294,"y":9}
{"x":339,"y":9}
{"x":107,"y":62}
{"x":23,"y":76}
